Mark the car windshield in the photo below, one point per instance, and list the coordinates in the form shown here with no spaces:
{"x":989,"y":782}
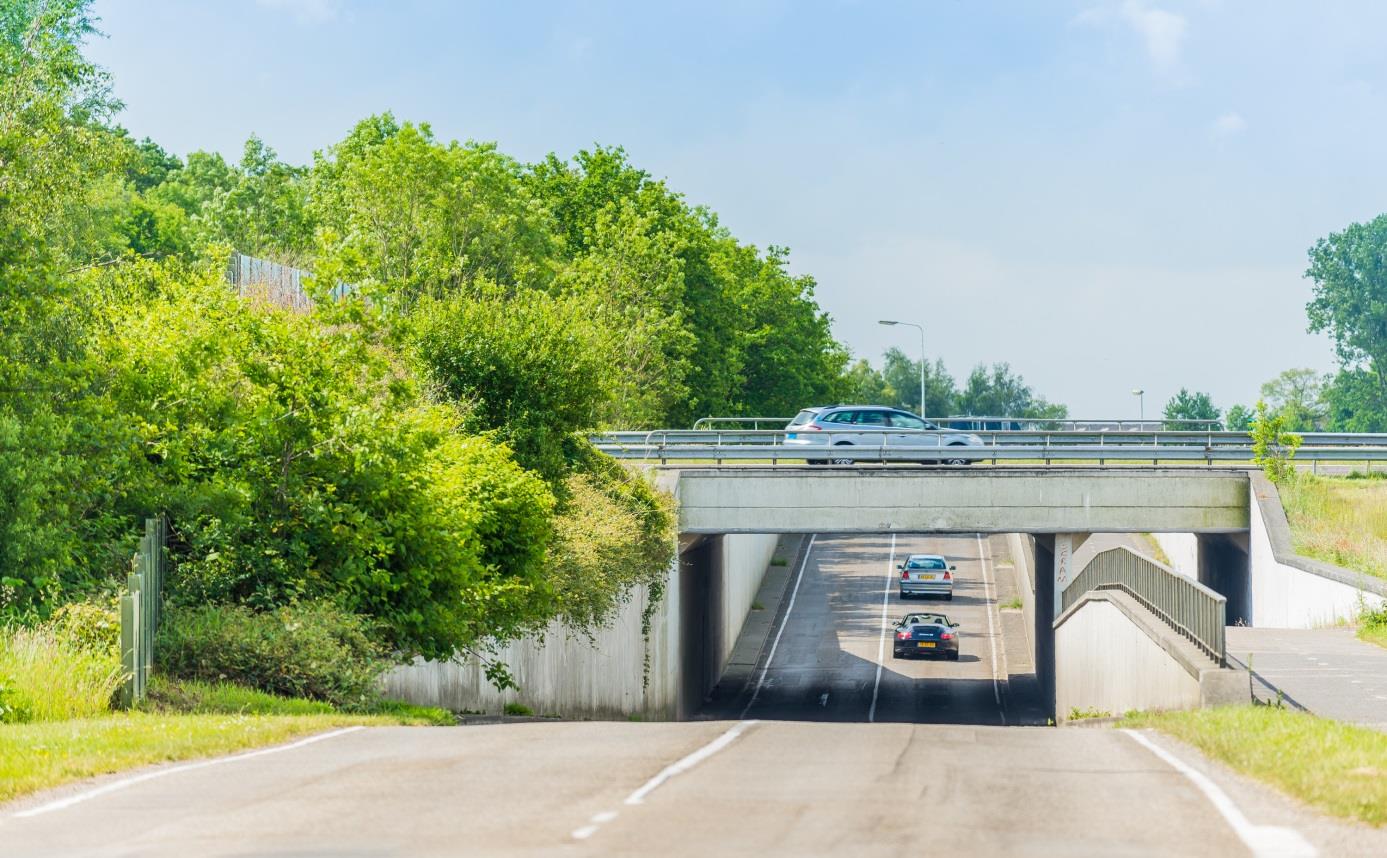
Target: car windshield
{"x":925,"y":619}
{"x":925,"y":563}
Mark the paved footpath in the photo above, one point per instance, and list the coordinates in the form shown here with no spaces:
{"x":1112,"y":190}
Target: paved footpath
{"x":1327,"y":671}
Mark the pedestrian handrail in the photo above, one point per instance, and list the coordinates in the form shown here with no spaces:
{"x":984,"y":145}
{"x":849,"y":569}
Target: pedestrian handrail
{"x":1187,"y":606}
{"x":140,"y":609}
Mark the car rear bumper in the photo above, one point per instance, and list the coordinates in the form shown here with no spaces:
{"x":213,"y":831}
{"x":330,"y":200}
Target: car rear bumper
{"x":927,"y":588}
{"x":905,"y":648}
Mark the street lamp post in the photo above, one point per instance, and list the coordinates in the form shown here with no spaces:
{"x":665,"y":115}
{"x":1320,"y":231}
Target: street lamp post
{"x":921,"y":329}
{"x":1141,"y":406}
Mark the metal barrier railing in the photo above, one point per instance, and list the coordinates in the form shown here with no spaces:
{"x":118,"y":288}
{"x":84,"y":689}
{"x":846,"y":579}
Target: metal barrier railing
{"x":140,"y":609}
{"x":1187,"y":606}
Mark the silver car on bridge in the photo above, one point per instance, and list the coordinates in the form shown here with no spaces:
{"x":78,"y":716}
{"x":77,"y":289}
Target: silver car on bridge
{"x":840,"y":428}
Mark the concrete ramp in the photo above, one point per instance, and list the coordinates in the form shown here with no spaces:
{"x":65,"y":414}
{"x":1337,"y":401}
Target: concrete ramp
{"x":1113,"y":656}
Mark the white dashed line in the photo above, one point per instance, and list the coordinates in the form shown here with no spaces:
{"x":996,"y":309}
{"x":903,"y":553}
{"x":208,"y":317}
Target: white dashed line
{"x":683,"y":765}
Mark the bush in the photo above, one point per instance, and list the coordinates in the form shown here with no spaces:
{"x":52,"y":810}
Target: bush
{"x":44,"y":676}
{"x":312,"y":650}
{"x":90,"y":626}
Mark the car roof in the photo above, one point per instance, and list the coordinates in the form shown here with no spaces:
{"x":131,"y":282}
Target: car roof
{"x":925,"y":556}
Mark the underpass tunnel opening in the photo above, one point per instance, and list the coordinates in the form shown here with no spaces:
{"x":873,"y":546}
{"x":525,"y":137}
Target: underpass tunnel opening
{"x":812,"y":634}
{"x":1225,"y":568}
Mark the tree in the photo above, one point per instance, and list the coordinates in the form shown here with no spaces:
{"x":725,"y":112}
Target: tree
{"x":1186,"y":411}
{"x":1238,"y":418}
{"x":861,"y":383}
{"x":1349,"y":270}
{"x":997,"y":392}
{"x":902,"y":377}
{"x":1353,"y":402}
{"x":1296,"y":396}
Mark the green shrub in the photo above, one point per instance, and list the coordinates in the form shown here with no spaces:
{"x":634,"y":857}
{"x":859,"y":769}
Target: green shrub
{"x":311,"y":650}
{"x":89,"y":625}
{"x":46,"y":677}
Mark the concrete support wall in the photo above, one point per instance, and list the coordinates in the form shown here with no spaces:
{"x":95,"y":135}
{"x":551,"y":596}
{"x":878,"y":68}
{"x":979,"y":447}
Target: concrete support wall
{"x":1043,"y":562}
{"x":1293,"y":592}
{"x":1105,"y":663}
{"x":1182,"y":549}
{"x":708,"y":594}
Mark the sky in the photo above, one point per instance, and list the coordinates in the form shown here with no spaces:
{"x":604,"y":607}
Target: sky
{"x":1106,"y":194}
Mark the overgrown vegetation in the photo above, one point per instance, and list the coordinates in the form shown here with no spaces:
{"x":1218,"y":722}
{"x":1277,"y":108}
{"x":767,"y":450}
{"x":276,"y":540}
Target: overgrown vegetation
{"x":45,"y":676}
{"x":1273,"y":446}
{"x":1339,"y":768}
{"x":1372,"y":625}
{"x":1339,"y":521}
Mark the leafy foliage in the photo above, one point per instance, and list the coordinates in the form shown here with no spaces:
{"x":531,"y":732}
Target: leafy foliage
{"x":312,"y":650}
{"x":1273,"y":447}
{"x":1184,"y":411}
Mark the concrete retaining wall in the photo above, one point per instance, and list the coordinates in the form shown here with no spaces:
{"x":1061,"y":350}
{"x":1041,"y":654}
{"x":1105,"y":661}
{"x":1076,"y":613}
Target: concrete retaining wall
{"x":1293,"y":592}
{"x":570,"y":675}
{"x":1113,"y":656}
{"x":744,"y":561}
{"x":1182,"y":549}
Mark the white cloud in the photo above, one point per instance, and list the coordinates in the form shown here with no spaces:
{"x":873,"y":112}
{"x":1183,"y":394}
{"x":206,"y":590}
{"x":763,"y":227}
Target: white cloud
{"x":306,"y":11}
{"x":1229,"y":124}
{"x":1162,"y":32}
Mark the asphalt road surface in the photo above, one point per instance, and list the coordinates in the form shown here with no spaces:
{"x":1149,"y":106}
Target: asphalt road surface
{"x":834,"y":748}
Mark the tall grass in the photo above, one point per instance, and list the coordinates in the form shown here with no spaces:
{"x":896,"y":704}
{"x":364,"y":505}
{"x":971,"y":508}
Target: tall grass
{"x":44,"y":676}
{"x":1339,"y":521}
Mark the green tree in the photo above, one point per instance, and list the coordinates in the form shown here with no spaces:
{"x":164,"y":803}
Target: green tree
{"x":1349,"y":270}
{"x":998,"y":392}
{"x":902,"y":377}
{"x":862,"y":383}
{"x":1186,"y":411}
{"x":1238,"y":418}
{"x":1273,"y":445}
{"x":1353,"y":402}
{"x":1296,"y":395}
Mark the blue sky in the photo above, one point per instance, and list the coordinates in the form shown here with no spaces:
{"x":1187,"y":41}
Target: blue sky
{"x":1105,"y":193}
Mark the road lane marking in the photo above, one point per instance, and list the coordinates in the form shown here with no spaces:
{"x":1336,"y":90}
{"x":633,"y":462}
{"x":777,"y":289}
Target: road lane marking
{"x":585,"y":832}
{"x":761,"y":680}
{"x":104,"y":789}
{"x":683,"y":765}
{"x":881,"y":640}
{"x":988,"y":605}
{"x":598,"y":819}
{"x":1265,"y":841}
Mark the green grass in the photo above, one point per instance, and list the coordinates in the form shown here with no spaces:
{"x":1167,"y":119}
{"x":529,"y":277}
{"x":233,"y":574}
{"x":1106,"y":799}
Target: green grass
{"x":779,"y":561}
{"x":1157,"y":552}
{"x":1013,"y":604}
{"x":177,"y":721}
{"x":1339,"y":521}
{"x":518,"y":709}
{"x":45,"y":677}
{"x":1336,"y":767}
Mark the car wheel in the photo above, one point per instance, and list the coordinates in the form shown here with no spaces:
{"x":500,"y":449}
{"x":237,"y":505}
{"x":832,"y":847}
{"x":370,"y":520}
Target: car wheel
{"x":948,"y":597}
{"x":957,"y":461}
{"x":841,"y":460}
{"x":895,"y":654}
{"x":953,"y":656}
{"x":904,"y":595}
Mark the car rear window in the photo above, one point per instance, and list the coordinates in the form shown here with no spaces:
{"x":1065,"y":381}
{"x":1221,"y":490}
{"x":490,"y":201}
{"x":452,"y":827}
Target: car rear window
{"x":802,"y":418}
{"x":925,"y":563}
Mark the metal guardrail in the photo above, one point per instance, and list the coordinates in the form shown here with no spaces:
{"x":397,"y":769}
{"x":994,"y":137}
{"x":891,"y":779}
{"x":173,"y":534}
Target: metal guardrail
{"x":1062,"y":424}
{"x":140,"y":610}
{"x":1048,"y":447}
{"x":755,"y":422}
{"x":1187,"y":606}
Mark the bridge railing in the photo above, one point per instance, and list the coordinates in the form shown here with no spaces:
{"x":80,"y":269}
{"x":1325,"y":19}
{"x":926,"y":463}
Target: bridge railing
{"x":1193,"y":610}
{"x":1047,"y":447}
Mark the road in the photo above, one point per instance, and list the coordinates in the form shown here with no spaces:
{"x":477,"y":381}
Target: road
{"x":832,"y":749}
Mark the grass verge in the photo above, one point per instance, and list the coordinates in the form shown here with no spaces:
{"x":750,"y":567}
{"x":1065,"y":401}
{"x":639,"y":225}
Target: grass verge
{"x":1339,"y":521}
{"x":178,"y":721}
{"x":1336,"y":767}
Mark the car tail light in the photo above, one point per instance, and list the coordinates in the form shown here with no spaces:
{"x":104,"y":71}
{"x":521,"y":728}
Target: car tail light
{"x":948,"y":576}
{"x":810,"y":427}
{"x":905,"y":576}
{"x":946,"y":637}
{"x":902,"y":636}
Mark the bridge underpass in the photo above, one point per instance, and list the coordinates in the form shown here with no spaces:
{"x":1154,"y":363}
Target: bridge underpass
{"x":831,"y":648}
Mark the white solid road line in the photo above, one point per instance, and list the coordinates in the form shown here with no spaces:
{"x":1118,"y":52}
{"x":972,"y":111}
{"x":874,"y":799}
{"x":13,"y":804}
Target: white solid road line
{"x":104,"y":789}
{"x":760,"y":680}
{"x":690,"y":761}
{"x":990,"y":604}
{"x":1265,"y":841}
{"x":881,"y":641}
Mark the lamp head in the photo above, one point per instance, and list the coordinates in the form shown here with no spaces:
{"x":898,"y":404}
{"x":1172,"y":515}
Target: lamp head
{"x":887,"y":322}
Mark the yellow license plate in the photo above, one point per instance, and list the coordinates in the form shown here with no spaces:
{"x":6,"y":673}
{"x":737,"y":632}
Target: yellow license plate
{"x":924,"y":577}
{"x":925,"y":644}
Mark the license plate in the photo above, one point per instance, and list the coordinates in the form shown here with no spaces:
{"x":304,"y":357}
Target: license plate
{"x":925,"y":577}
{"x":790,"y":436}
{"x":925,"y":644}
